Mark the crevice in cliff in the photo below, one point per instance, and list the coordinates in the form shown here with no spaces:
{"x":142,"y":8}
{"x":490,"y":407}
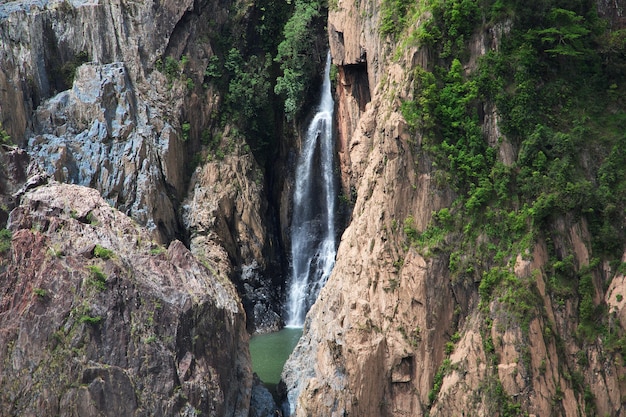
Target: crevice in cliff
{"x":355,"y":82}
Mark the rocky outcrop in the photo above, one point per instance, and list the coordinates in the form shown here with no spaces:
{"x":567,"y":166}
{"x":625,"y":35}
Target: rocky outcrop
{"x":614,"y":11}
{"x":228,"y":221}
{"x":99,"y":134}
{"x":113,"y":96}
{"x":98,"y":319}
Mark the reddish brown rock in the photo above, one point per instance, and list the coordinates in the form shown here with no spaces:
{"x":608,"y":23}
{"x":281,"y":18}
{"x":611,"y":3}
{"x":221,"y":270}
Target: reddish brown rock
{"x":131,"y":329}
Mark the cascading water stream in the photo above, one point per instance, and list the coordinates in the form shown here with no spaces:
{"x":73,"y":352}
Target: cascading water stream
{"x":313,"y":240}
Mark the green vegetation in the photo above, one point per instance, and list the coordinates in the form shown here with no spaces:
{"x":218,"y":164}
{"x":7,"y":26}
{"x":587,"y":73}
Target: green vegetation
{"x":102,"y":252}
{"x":557,"y":100}
{"x":394,"y":16}
{"x":185,"y":128}
{"x":62,"y":68}
{"x":263,"y":73}
{"x":248,"y":89}
{"x":91,"y":219}
{"x":557,"y":81}
{"x":292,"y":55}
{"x":157,"y":251}
{"x":213,"y":69}
{"x":97,"y":278}
{"x":5,"y":240}
{"x":55,"y":251}
{"x":40,"y":292}
{"x":5,"y":138}
{"x":443,"y":370}
{"x":88,"y":319}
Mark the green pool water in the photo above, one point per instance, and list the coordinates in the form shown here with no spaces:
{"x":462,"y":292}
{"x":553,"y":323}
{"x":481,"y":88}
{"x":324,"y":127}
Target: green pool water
{"x":270,"y":351}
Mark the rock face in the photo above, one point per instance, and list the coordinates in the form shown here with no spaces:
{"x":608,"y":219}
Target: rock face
{"x":378,"y":340}
{"x":98,"y":319}
{"x":113,"y":96}
{"x":226,"y":217}
{"x":105,"y":115}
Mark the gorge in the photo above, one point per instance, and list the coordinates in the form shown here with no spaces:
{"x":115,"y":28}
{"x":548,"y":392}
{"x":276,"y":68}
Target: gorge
{"x":148,"y":159}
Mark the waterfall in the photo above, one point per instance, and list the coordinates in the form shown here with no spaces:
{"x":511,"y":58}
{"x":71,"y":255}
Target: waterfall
{"x":313,"y":242}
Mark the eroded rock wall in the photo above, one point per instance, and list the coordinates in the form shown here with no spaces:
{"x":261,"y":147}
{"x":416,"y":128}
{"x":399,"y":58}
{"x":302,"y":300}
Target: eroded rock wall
{"x":97,"y":318}
{"x":86,"y":88}
{"x":113,"y":95}
{"x":378,"y":341}
{"x":379,"y":323}
{"x":226,"y":216}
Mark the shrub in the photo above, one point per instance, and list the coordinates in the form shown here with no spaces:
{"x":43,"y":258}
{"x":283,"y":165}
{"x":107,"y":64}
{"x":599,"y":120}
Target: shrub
{"x":40,"y":292}
{"x":97,"y":278}
{"x":185,"y":129}
{"x":5,"y":240}
{"x":102,"y":252}
{"x":292,"y":55}
{"x":93,"y":320}
{"x":394,"y":16}
{"x":5,"y":138}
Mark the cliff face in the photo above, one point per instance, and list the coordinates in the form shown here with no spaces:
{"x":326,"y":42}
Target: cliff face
{"x":114,"y":96}
{"x":98,"y":319}
{"x":396,"y":331}
{"x":105,"y":123}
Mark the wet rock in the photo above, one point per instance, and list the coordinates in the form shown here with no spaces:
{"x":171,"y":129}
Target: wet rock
{"x":262,"y":403}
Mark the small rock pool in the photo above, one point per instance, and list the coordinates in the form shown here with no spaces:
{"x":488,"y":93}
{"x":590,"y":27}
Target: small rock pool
{"x":270,"y":351}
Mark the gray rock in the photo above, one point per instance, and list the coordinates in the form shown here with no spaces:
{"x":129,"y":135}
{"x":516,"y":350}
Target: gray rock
{"x":262,"y":403}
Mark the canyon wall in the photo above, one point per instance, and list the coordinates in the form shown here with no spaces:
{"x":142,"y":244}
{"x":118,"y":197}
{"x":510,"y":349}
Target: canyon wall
{"x":96,"y":318}
{"x":114,"y":96}
{"x":104,"y":310}
{"x":395,"y":332}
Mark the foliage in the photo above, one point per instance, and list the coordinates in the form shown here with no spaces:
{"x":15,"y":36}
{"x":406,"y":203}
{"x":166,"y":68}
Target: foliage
{"x":88,"y":319}
{"x":102,"y":252}
{"x":451,"y":25}
{"x":443,"y":370}
{"x":429,"y":239}
{"x":97,"y":278}
{"x":62,"y":73}
{"x":565,"y":34}
{"x":560,"y":104}
{"x":394,"y":16}
{"x":249,"y":87}
{"x":5,"y":138}
{"x":294,"y":55}
{"x":171,"y":68}
{"x":5,"y":240}
{"x":185,"y":128}
{"x":40,"y":292}
{"x":157,"y":251}
{"x":213,"y":69}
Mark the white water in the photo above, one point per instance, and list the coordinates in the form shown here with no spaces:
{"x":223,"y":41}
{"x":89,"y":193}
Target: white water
{"x":313,"y":245}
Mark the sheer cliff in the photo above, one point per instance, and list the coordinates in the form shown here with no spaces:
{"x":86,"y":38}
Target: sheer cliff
{"x":163,"y":118}
{"x":480,"y":273}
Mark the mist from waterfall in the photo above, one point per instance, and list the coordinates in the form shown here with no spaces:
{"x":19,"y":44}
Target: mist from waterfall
{"x":313,"y":235}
